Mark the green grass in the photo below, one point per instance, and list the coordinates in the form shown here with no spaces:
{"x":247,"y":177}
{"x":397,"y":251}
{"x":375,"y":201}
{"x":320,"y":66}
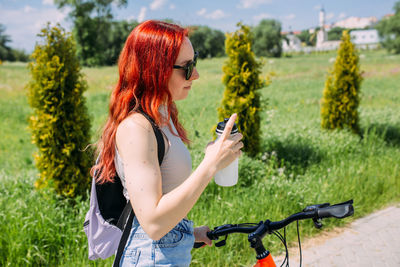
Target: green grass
{"x":300,"y":164}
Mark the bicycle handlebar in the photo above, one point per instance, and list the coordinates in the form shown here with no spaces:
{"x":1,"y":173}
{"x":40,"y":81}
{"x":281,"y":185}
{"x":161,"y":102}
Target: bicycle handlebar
{"x":315,"y":212}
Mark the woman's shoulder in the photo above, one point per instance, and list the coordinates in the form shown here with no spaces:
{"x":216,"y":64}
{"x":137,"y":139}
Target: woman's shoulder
{"x":134,"y":120}
{"x":135,"y":125}
{"x":135,"y":139}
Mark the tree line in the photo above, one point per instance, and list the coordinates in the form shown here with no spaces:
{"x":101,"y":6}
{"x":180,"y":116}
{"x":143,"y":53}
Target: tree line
{"x":100,"y":37}
{"x":6,"y":52}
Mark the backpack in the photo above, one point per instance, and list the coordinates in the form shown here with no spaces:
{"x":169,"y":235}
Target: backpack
{"x":109,"y":219}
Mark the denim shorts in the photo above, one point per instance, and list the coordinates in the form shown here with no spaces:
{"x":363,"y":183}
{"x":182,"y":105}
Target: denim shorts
{"x":173,"y":249}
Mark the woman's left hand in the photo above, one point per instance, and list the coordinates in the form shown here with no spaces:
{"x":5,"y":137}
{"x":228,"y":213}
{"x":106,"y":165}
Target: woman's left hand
{"x":200,"y":235}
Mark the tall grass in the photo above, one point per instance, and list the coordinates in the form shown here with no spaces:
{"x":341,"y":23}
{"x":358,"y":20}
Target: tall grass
{"x":300,"y":164}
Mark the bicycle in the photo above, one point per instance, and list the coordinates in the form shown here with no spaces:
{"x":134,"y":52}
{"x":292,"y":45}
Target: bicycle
{"x":257,"y":231}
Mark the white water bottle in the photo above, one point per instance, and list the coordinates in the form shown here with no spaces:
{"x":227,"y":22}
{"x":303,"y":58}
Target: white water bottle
{"x":229,"y":175}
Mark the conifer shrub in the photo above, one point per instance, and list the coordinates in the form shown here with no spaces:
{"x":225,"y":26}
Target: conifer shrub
{"x":342,"y":88}
{"x":60,"y":123}
{"x":242,"y":81}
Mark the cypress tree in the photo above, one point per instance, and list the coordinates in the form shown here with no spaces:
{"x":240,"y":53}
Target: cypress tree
{"x":59,"y":124}
{"x":342,"y":88}
{"x":242,"y":82}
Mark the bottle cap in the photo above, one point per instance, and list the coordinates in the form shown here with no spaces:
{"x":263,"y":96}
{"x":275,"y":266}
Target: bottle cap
{"x":221,"y":126}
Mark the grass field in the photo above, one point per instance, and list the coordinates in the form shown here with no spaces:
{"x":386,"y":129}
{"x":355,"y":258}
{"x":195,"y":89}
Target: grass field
{"x":300,"y":163}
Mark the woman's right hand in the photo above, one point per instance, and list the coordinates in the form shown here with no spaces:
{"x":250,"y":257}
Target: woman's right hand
{"x":226,"y":148}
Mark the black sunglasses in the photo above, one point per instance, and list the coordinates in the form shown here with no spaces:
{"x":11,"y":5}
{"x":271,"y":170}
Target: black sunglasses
{"x":189,"y":66}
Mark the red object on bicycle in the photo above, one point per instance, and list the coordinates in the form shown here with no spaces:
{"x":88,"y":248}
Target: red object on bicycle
{"x":266,"y":262}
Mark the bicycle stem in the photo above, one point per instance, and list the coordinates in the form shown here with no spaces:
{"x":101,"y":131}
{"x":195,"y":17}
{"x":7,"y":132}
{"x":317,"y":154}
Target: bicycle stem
{"x":255,"y":240}
{"x":267,"y":227}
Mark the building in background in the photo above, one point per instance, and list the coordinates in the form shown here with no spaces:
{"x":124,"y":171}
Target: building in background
{"x":356,"y":23}
{"x":322,"y":36}
{"x":291,"y":43}
{"x":362,"y":38}
{"x":365,"y":39}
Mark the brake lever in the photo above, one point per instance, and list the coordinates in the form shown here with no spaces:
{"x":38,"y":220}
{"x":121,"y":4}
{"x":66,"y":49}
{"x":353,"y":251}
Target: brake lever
{"x":222,"y":242}
{"x":317,"y":223}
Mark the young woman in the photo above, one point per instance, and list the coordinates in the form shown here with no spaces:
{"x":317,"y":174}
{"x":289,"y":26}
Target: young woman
{"x":156,"y":68}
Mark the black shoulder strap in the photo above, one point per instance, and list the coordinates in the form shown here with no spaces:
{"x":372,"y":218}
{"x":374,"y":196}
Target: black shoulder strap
{"x":128,"y":208}
{"x":159,"y":137}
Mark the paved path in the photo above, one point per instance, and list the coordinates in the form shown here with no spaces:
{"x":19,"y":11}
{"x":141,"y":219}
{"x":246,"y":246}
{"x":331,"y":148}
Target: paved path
{"x":370,"y":241}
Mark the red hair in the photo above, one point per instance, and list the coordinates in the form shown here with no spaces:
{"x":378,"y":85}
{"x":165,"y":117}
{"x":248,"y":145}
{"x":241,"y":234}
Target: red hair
{"x":145,"y":65}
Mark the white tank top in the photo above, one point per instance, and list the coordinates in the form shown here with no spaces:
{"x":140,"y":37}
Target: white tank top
{"x":175,"y":168}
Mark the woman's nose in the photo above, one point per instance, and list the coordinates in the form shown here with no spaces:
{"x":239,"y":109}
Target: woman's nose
{"x":195,"y":74}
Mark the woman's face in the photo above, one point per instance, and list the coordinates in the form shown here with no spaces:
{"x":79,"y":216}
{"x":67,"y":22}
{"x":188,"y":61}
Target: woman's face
{"x":178,"y":86}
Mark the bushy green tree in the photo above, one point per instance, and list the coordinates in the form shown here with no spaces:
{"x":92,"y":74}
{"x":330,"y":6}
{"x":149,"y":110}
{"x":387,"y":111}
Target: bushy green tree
{"x":209,"y":42}
{"x":119,"y":31}
{"x":242,"y":82}
{"x":389,"y":30}
{"x":307,"y":38}
{"x":92,"y":28}
{"x":342,"y":89}
{"x":268,"y":38}
{"x":8,"y":53}
{"x":335,"y":33}
{"x":60,"y":124}
{"x":5,"y":50}
{"x":19,"y":55}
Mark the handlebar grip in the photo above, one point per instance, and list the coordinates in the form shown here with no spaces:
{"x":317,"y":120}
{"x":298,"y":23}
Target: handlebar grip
{"x":339,"y":211}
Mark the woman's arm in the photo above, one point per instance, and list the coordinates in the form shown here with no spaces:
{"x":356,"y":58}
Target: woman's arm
{"x":158,"y":213}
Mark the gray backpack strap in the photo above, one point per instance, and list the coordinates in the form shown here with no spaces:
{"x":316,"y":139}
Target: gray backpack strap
{"x":128,"y":208}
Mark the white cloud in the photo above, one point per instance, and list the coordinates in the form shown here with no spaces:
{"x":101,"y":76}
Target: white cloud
{"x":202,"y":12}
{"x":330,"y":16}
{"x":317,"y":7}
{"x":262,"y":16}
{"x":28,"y":9}
{"x":290,"y":17}
{"x":142,"y":14}
{"x":342,"y":15}
{"x":172,"y":6}
{"x":157,"y":4}
{"x":25,"y":23}
{"x":48,"y":2}
{"x":130,"y":18}
{"x":216,"y":14}
{"x":252,"y":3}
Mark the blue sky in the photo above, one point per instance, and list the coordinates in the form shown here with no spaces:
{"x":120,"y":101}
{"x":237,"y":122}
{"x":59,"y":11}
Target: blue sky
{"x":24,"y":18}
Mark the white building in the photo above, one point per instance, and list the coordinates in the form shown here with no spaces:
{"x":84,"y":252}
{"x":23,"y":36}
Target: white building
{"x":356,"y":22}
{"x":292,"y":44}
{"x":365,"y":38}
{"x":322,"y":36}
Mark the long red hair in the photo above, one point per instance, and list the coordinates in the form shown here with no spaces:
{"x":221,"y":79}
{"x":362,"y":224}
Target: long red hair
{"x":145,"y":65}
